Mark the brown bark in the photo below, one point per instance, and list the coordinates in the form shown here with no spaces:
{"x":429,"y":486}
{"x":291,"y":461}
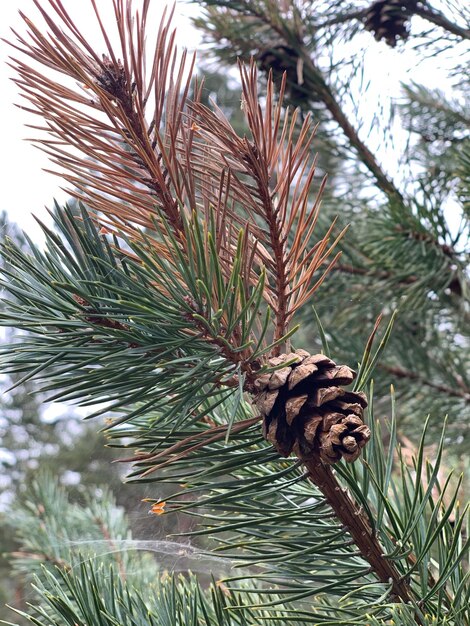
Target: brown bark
{"x":423,"y":10}
{"x":355,"y":520}
{"x":365,"y":155}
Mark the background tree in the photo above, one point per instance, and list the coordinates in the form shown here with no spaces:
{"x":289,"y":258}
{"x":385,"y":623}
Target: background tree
{"x":33,"y":440}
{"x":171,"y":301}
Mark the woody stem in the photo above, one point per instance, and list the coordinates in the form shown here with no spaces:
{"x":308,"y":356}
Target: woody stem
{"x":355,"y":520}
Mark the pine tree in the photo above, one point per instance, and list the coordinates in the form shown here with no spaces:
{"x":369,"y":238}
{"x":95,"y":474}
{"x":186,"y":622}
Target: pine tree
{"x":172,"y":301}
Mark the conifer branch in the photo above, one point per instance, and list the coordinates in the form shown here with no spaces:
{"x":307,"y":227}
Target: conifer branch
{"x":429,"y":13}
{"x":421,"y":8}
{"x":41,"y":557}
{"x":459,"y":391}
{"x":185,"y":447}
{"x":262,"y":170}
{"x":169,"y":328}
{"x":334,"y":107}
{"x":127,"y":166}
{"x":454,"y":286}
{"x":260,"y":167}
{"x":355,"y":520}
{"x":341,"y":18}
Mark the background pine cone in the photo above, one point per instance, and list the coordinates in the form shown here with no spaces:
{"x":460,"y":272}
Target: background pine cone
{"x":306,"y":410}
{"x":389,"y":20}
{"x":280,"y":59}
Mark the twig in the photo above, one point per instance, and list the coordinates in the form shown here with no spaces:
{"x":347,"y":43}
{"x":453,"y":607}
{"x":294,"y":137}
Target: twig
{"x":219,"y":432}
{"x":366,"y":156}
{"x":454,"y":286}
{"x":427,"y":12}
{"x":450,"y":391}
{"x":41,"y":556}
{"x":261,"y":177}
{"x":422,"y":9}
{"x":342,"y":17}
{"x":355,"y":520}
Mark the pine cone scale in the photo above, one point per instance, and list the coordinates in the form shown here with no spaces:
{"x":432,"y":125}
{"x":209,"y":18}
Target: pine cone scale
{"x":325,"y":395}
{"x":300,"y":373}
{"x":293,"y":407}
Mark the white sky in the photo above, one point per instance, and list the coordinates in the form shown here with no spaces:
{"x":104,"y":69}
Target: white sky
{"x":24,"y":187}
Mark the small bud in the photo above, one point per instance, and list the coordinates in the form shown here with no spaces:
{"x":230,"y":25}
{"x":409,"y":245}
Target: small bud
{"x":158,"y":508}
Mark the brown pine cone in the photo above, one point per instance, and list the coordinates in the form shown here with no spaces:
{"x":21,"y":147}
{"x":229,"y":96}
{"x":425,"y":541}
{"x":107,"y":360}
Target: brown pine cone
{"x":389,"y":20}
{"x":280,"y":59}
{"x":306,"y":410}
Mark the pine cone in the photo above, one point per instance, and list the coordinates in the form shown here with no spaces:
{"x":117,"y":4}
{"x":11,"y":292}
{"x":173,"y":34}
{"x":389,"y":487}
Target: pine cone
{"x":305,"y":409}
{"x":280,"y":59}
{"x":389,"y":20}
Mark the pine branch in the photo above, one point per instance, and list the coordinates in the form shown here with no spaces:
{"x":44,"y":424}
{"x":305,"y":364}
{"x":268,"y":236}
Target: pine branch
{"x":459,"y":391}
{"x":312,"y":85}
{"x":40,"y":557}
{"x":172,"y":326}
{"x":125,"y":157}
{"x":182,"y":449}
{"x":351,"y":516}
{"x":426,"y":11}
{"x":89,"y":587}
{"x":171,"y":172}
{"x":423,"y":9}
{"x":366,"y":156}
{"x":355,"y":520}
{"x":454,"y":286}
{"x":261,"y":173}
{"x":102,"y":305}
{"x":342,"y":18}
{"x":270,"y":510}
